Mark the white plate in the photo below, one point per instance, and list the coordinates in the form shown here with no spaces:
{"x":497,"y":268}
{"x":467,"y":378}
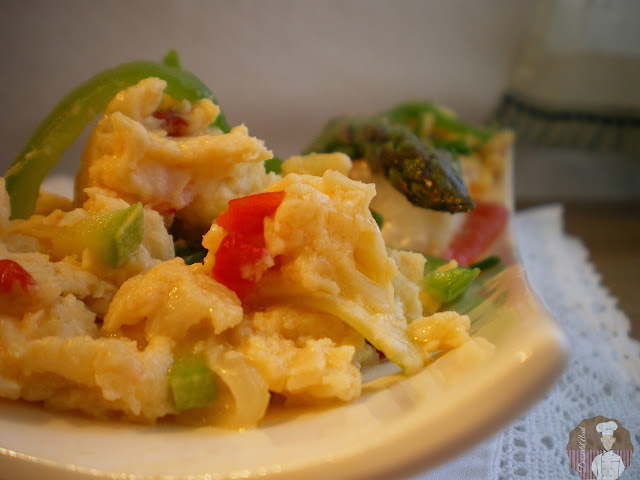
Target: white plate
{"x":410,"y":425}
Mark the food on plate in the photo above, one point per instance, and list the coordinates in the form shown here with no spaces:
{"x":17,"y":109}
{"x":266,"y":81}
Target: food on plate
{"x":62,"y":126}
{"x":195,"y":277}
{"x":411,"y":165}
{"x":420,"y":155}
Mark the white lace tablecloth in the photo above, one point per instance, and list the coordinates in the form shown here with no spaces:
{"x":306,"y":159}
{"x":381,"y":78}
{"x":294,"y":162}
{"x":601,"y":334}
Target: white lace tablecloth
{"x":602,"y":377}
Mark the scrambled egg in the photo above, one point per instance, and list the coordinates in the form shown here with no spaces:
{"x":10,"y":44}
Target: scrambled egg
{"x":101,"y":340}
{"x":190,"y":177}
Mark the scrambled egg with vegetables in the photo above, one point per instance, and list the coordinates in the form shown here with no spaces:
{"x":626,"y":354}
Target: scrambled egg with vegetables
{"x":296,"y":294}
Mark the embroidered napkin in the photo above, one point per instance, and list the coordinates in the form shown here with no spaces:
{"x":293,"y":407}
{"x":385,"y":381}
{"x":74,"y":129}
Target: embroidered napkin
{"x":577,"y":81}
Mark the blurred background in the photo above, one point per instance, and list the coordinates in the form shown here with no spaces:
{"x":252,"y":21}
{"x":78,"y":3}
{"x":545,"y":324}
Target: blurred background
{"x":565,"y":74}
{"x":283,"y":67}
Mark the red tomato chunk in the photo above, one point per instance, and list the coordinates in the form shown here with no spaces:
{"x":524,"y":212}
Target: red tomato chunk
{"x":241,"y":258}
{"x":246,"y":215}
{"x":12,"y":273}
{"x":240,"y":263}
{"x":174,"y":124}
{"x":479,"y":230}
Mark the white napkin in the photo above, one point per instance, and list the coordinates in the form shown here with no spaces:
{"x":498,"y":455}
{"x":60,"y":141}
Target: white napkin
{"x":602,"y":378}
{"x":575,"y":84}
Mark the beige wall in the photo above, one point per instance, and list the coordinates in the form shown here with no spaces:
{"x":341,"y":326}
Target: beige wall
{"x":282,"y":67}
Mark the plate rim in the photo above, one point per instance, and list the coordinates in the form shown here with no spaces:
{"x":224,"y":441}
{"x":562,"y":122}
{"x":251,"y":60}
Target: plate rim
{"x":378,"y":459}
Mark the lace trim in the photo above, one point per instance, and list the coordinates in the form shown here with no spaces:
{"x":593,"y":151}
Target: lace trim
{"x":602,"y":377}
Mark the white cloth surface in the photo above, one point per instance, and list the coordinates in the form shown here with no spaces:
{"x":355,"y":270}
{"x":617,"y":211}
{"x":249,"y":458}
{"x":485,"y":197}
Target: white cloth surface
{"x":602,"y":376}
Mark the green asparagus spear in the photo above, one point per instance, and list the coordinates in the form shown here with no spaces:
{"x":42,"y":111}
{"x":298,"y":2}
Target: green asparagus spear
{"x":426,"y":177}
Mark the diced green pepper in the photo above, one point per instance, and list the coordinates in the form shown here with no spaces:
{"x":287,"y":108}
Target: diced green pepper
{"x":74,"y":112}
{"x":190,"y":253}
{"x":447,"y":285}
{"x":111,"y":236}
{"x":377,"y":216}
{"x":273,"y":165}
{"x":192,"y":383}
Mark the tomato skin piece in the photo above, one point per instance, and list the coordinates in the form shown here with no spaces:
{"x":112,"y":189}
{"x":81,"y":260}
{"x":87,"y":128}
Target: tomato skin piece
{"x":245,"y":215}
{"x":12,"y":272}
{"x":173,"y":124}
{"x":479,"y":230}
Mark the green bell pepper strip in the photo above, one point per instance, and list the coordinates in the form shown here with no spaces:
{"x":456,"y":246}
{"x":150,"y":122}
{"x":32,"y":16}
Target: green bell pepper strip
{"x":412,"y":113}
{"x":73,"y":113}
